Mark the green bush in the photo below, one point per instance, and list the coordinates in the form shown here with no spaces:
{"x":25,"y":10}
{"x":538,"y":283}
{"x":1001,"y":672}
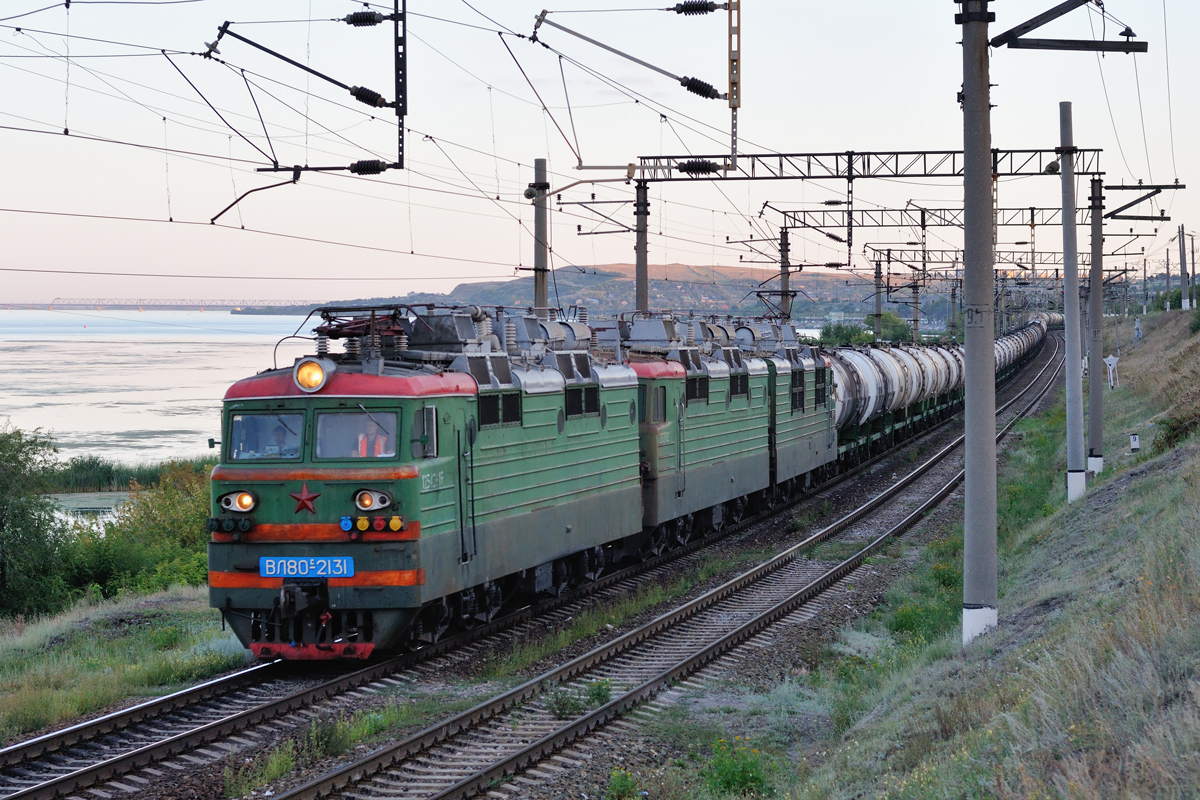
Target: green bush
{"x":157,"y":539}
{"x":599,"y":692}
{"x":621,"y":786}
{"x":31,"y":544}
{"x":738,"y":769}
{"x":1194,"y":325}
{"x":845,"y":333}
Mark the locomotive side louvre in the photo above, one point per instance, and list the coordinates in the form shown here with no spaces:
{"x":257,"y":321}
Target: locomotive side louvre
{"x":561,"y":478}
{"x":804,"y":436}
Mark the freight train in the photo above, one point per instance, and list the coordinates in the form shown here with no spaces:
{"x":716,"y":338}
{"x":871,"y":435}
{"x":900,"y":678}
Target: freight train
{"x":445,"y":462}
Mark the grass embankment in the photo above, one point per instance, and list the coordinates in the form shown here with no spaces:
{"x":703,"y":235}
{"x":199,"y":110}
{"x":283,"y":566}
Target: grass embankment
{"x":1089,"y":687}
{"x":96,"y":655}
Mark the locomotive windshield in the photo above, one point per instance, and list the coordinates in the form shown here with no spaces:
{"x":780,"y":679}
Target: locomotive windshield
{"x":254,"y":437}
{"x":370,"y":434}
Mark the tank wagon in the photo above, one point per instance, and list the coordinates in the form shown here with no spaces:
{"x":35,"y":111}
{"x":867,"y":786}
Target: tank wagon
{"x":447,"y":461}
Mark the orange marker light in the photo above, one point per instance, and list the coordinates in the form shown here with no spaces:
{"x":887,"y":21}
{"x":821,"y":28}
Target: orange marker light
{"x":310,"y":375}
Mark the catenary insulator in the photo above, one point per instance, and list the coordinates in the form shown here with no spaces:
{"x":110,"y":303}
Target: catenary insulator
{"x":371,"y":167}
{"x":693,"y":7}
{"x":362,"y":19}
{"x":510,"y":335}
{"x":365,"y":95}
{"x":697,"y":86}
{"x":698,"y":166}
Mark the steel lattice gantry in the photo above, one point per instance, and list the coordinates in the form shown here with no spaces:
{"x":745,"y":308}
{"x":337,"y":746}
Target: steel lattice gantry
{"x":821,"y":218}
{"x":852,"y":165}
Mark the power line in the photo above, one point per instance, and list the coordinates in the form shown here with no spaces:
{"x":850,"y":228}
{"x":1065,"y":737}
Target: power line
{"x":1170,"y":109}
{"x":1111,"y":117}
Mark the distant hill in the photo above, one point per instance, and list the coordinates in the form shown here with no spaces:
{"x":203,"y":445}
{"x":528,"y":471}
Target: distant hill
{"x":608,"y":289}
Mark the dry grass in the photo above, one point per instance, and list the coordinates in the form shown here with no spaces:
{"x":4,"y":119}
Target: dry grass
{"x":98,"y":654}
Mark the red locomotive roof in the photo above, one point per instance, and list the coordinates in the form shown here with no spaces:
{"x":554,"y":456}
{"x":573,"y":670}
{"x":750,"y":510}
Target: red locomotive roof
{"x":280,"y":384}
{"x":658,"y":369}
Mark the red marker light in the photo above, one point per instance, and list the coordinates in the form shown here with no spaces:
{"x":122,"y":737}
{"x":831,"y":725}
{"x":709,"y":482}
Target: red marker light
{"x":379,"y":523}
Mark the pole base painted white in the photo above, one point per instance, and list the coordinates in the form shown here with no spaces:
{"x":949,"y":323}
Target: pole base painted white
{"x":978,"y":621}
{"x":1076,"y":485}
{"x":1096,"y":464}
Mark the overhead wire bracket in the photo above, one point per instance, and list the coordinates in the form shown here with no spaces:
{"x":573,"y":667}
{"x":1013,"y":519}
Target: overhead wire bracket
{"x":1151,"y":190}
{"x":1014,"y":37}
{"x":295,"y":177}
{"x":370,"y":97}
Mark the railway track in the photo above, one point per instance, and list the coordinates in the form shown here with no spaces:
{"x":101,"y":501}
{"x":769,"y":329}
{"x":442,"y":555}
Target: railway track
{"x":462,"y":756}
{"x":73,"y":759}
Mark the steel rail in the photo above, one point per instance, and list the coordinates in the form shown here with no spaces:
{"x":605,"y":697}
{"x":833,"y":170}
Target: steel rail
{"x":118,"y":765}
{"x":386,"y":757}
{"x":50,"y":742}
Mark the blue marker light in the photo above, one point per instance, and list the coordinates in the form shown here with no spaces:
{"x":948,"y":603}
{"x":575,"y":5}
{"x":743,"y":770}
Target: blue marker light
{"x":346,"y":524}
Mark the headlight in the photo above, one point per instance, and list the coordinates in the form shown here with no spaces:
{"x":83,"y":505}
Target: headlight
{"x":240,"y":502}
{"x":367,"y":500}
{"x":310,"y":374}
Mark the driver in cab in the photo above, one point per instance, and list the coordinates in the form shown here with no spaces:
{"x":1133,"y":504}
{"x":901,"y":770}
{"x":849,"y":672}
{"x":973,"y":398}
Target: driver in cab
{"x":373,"y":442}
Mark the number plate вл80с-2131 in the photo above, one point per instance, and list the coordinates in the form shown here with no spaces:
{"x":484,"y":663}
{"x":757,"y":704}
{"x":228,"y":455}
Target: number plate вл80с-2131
{"x":313,"y":567}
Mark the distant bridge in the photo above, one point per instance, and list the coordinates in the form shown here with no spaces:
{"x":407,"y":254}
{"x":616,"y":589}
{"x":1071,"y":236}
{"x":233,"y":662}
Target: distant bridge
{"x":153,"y":304}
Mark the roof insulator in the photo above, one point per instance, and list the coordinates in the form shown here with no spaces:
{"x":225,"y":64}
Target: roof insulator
{"x":365,"y":95}
{"x":697,"y":86}
{"x":691,"y":8}
{"x":370,"y":167}
{"x":363,"y":19}
{"x":698,"y":166}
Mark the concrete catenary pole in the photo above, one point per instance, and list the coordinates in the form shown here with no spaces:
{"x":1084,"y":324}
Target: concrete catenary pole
{"x":916,"y":318}
{"x":641,"y":214}
{"x":1095,"y":462}
{"x":878,"y":301}
{"x":1167,"y":306}
{"x":980,"y":596}
{"x":785,"y":268}
{"x":1145,"y":286}
{"x":1193,"y":289}
{"x":1183,"y":271}
{"x":953,"y":310}
{"x":541,"y":234}
{"x":1076,"y":469}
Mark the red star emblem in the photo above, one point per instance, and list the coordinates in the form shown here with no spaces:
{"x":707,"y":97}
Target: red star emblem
{"x":304,"y":499}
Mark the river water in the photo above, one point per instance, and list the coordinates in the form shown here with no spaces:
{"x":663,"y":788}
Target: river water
{"x":128,"y":385}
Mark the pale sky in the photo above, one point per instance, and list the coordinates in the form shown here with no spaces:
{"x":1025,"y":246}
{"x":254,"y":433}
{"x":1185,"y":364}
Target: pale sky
{"x":817,"y":77}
